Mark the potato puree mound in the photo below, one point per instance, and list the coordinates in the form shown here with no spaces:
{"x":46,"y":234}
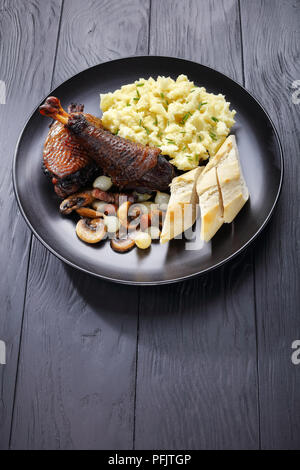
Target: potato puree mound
{"x":185,"y":121}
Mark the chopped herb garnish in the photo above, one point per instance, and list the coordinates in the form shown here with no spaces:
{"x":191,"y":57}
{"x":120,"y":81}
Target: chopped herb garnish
{"x":159,"y":134}
{"x":170,"y":141}
{"x":200,"y":138}
{"x":185,"y":118}
{"x":117,"y":132}
{"x":146,"y":129}
{"x":140,"y":84}
{"x":214,"y":119}
{"x":168,"y":123}
{"x":155,"y":122}
{"x":202,"y":104}
{"x":183,"y":132}
{"x":184,"y":148}
{"x":138,"y":93}
{"x":213,"y":136}
{"x":135,"y":99}
{"x":128,"y":104}
{"x":166,"y":101}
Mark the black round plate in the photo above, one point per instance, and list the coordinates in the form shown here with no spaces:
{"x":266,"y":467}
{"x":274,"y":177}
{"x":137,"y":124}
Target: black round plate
{"x":261,"y":159}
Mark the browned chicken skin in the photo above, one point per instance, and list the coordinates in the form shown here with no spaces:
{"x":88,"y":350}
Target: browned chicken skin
{"x":129,"y":164}
{"x":65,"y":160}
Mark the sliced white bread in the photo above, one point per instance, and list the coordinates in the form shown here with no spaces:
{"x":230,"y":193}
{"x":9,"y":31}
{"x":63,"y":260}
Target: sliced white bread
{"x":233,"y":191}
{"x":233,"y":187}
{"x":182,"y":208}
{"x":210,"y":202}
{"x":223,"y":151}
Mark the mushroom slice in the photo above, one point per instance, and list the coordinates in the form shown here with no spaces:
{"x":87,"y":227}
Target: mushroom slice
{"x":122,"y":245}
{"x":91,"y":230}
{"x":123,"y":213}
{"x":90,"y":213}
{"x":75,"y":201}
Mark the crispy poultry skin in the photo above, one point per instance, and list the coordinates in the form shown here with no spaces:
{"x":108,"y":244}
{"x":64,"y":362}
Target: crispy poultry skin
{"x":129,"y":164}
{"x":65,"y":160}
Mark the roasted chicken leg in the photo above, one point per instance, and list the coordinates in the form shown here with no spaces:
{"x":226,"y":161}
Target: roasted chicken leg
{"x":129,"y":164}
{"x":65,"y":160}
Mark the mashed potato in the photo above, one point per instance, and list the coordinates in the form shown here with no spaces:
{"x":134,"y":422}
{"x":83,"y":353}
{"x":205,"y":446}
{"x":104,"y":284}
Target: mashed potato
{"x":185,"y":121}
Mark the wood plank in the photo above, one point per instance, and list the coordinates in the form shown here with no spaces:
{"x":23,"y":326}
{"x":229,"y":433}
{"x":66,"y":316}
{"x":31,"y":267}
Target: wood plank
{"x":197,"y":376}
{"x":25,"y":54}
{"x":77,"y":370}
{"x":271,"y":56}
{"x":98,"y":31}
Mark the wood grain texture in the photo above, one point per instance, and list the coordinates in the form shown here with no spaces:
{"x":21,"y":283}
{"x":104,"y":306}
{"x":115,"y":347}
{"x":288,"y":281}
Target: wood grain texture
{"x":194,"y":29}
{"x":77,"y":367}
{"x":197,"y":381}
{"x":197,"y":376}
{"x":76,"y":384}
{"x":98,"y":31}
{"x":25,"y":54}
{"x":271,"y":55}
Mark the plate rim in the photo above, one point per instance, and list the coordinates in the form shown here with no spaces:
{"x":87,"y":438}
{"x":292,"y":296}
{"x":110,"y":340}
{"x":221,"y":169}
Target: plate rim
{"x":161,"y":281}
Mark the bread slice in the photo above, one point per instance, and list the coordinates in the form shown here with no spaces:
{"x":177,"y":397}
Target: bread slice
{"x":222,"y":189}
{"x":223,"y":151}
{"x":233,"y":187}
{"x":182,"y":208}
{"x":210,"y":202}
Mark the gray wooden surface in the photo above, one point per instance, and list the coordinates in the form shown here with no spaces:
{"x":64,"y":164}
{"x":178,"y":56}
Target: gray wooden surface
{"x":204,"y":364}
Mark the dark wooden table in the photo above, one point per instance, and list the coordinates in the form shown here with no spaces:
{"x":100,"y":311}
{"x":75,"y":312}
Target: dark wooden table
{"x":204,"y":364}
